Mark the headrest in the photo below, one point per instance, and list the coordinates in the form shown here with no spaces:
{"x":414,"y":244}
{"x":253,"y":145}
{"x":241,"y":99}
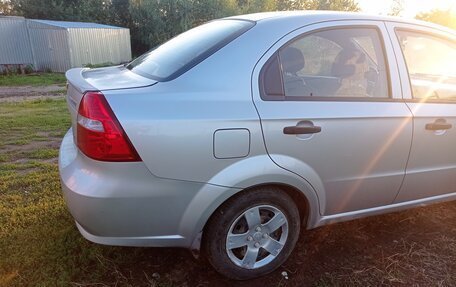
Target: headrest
{"x":292,"y":60}
{"x":340,"y":68}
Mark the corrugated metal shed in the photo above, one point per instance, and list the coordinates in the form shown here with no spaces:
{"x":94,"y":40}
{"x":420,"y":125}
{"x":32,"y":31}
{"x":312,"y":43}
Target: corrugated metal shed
{"x":50,"y":47}
{"x":97,"y":45}
{"x":60,"y":45}
{"x":66,"y":25}
{"x":14,"y":41}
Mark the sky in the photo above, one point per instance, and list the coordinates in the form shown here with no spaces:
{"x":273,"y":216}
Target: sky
{"x":411,"y":7}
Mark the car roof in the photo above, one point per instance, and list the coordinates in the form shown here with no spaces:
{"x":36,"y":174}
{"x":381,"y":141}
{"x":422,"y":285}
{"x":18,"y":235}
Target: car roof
{"x":310,"y":16}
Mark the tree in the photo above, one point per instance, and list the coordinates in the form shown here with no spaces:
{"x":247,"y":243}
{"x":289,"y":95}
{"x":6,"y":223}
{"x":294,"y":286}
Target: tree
{"x":5,"y":8}
{"x":396,"y":8}
{"x":119,"y":13}
{"x":65,"y":10}
{"x":442,"y":17}
{"x":335,"y":5}
{"x":152,"y":22}
{"x":284,"y":5}
{"x":155,"y":21}
{"x":43,"y":9}
{"x":254,"y":6}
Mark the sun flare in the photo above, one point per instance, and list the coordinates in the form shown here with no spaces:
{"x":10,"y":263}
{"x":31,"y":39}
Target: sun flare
{"x":410,"y":8}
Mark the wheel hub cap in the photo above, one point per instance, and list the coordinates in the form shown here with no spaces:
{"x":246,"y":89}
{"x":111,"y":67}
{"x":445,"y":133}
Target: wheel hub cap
{"x":257,"y":236}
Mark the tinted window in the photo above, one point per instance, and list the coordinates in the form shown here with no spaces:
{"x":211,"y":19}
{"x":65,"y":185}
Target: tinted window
{"x":431,"y":63}
{"x":318,"y":62}
{"x":188,"y":49}
{"x":346,"y":62}
{"x":272,"y":85}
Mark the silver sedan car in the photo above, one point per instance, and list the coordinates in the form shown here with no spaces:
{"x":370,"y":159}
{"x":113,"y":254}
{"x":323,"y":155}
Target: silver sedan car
{"x":233,"y":136}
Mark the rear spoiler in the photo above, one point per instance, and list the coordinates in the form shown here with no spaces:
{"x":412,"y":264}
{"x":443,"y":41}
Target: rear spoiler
{"x":75,"y":78}
{"x":107,"y":78}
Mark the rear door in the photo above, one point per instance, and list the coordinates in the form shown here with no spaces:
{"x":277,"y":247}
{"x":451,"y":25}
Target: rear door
{"x":331,"y":109}
{"x":428,"y":70}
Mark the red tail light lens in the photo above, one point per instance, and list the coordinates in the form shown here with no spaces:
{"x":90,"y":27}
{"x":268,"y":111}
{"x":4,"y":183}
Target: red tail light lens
{"x":99,"y":134}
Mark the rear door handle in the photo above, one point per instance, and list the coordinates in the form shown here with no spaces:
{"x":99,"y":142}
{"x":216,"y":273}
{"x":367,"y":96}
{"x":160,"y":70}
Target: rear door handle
{"x":438,"y":125}
{"x":299,"y":130}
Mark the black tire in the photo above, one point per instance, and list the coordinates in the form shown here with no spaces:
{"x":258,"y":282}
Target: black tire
{"x":219,"y":225}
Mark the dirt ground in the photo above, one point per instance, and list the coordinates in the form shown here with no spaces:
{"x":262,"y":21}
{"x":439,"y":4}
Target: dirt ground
{"x":416,"y":247}
{"x":20,"y":93}
{"x":411,"y":248}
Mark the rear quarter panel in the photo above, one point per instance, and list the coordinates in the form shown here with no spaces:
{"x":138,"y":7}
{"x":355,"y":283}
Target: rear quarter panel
{"x":172,"y":124}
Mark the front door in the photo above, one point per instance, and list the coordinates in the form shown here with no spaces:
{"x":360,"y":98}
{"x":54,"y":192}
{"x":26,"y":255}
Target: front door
{"x":428,"y":66}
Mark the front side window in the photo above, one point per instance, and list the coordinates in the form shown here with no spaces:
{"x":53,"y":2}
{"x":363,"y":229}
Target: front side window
{"x":342,"y":62}
{"x":431,"y":63}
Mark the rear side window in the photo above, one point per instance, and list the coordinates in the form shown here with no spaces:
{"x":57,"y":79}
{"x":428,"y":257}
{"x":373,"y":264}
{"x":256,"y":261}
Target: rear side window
{"x":431,"y":63}
{"x":340,"y":62}
{"x":186,"y":50}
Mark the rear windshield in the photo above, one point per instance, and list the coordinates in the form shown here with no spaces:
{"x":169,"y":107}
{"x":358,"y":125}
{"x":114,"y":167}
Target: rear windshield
{"x":186,"y":50}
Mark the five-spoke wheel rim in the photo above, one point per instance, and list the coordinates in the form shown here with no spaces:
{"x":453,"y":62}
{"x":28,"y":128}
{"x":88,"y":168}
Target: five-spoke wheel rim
{"x":257,"y":236}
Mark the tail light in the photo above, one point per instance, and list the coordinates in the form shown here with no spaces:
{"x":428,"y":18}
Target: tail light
{"x":99,"y":134}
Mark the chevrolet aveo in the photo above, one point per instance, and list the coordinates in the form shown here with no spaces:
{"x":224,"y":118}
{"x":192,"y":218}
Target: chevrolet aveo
{"x":233,"y":136}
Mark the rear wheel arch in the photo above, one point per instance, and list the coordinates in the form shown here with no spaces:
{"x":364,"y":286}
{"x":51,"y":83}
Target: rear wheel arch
{"x":210,"y":199}
{"x":299,"y":198}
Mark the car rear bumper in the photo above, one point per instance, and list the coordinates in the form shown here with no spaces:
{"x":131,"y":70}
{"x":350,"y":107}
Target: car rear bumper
{"x":124,"y":204}
{"x":155,"y":241}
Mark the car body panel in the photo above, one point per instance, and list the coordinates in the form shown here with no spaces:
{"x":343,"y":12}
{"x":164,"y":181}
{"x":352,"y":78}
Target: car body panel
{"x":213,"y":95}
{"x":168,"y":197}
{"x":114,"y":78}
{"x":117,"y":203}
{"x":394,"y":207}
{"x":431,"y":168}
{"x":124,"y":204}
{"x":377,"y":156}
{"x":81,"y":80}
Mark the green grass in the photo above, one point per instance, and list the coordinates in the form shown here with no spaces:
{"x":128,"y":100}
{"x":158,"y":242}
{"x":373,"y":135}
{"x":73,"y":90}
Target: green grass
{"x":32,"y":213}
{"x":24,"y":122}
{"x":42,"y":79}
{"x":102,"y":65}
{"x":39,"y":243}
